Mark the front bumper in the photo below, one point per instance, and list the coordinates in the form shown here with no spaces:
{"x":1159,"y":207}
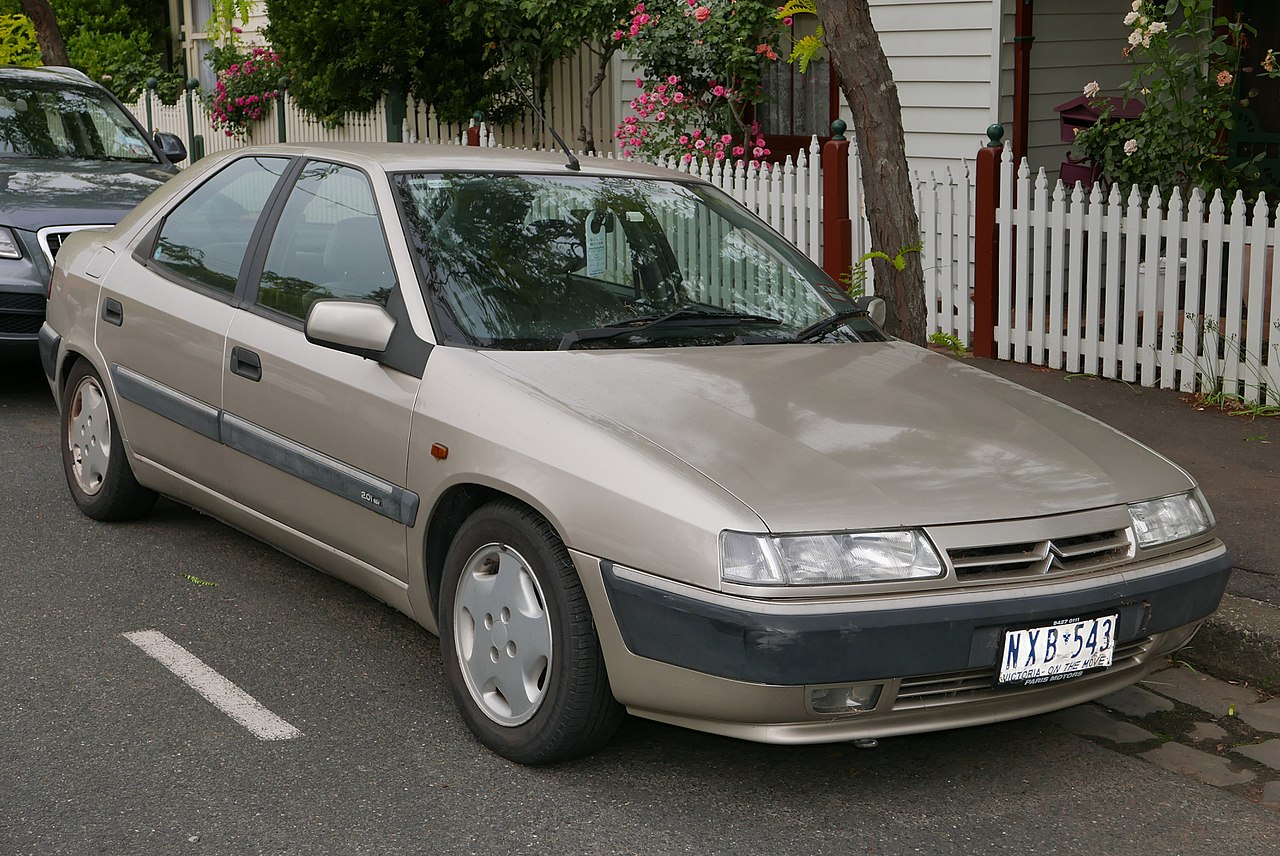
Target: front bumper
{"x":744,"y":666}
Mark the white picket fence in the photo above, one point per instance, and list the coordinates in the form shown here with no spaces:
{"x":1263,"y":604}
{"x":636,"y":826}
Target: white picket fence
{"x":788,"y":196}
{"x":1170,"y":292}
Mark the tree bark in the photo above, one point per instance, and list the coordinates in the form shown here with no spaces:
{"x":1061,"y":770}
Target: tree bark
{"x":52,"y":49}
{"x":585,"y":132}
{"x":868,"y":86}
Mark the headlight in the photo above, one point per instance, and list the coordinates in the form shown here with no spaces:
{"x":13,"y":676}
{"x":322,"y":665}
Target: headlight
{"x":1173,"y":518}
{"x":9,"y":248}
{"x":844,"y":557}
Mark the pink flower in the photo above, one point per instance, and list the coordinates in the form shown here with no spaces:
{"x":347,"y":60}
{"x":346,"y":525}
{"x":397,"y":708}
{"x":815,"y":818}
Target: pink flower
{"x":235,"y":69}
{"x":701,"y":14}
{"x":718,"y":91}
{"x":737,"y":151}
{"x":719,"y":147}
{"x":687,"y":158}
{"x":684,"y":139}
{"x":726,"y":138}
{"x":1225,"y":78}
{"x":678,"y":97}
{"x":700,"y":144}
{"x":697,"y":133}
{"x":757,"y":152}
{"x":673,"y":80}
{"x":788,"y":21}
{"x":617,"y":35}
{"x":719,"y":155}
{"x":660,"y":115}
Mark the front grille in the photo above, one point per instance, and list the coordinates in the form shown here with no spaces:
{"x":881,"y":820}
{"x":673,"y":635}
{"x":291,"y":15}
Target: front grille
{"x":979,"y":684}
{"x":1050,"y":557}
{"x":53,"y":242}
{"x":52,"y":237}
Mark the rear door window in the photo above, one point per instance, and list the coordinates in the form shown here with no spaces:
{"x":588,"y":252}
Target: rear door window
{"x":204,"y":239}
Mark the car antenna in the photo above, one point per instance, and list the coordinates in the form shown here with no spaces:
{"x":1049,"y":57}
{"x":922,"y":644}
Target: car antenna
{"x":573,"y":161}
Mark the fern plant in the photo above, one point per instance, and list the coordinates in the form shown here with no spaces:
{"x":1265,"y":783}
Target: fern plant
{"x":803,"y":50}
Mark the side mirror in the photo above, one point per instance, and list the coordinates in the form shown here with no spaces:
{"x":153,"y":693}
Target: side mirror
{"x":352,"y":326}
{"x":171,"y":145}
{"x":875,"y":307}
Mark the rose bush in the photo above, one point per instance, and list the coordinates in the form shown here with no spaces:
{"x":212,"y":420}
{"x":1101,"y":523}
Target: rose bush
{"x":247,"y":83}
{"x":1185,"y":63}
{"x":704,"y":63}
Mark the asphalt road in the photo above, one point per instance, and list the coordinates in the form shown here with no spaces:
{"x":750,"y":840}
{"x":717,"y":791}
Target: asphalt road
{"x":103,"y":751}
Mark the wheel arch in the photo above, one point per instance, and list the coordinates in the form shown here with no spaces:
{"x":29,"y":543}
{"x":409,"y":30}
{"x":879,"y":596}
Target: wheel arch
{"x":451,"y":509}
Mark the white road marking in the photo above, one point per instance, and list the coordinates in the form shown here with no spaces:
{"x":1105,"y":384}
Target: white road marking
{"x":220,"y":692}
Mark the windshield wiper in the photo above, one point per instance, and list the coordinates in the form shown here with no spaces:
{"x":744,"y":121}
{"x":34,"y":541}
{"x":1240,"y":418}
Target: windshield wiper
{"x":698,"y":317}
{"x":826,"y":325}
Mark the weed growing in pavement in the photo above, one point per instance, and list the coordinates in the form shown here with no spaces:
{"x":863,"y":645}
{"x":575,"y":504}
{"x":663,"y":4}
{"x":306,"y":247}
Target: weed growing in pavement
{"x":1210,"y":372}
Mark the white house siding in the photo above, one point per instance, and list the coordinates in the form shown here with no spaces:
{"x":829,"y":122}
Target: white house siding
{"x":941,"y":55}
{"x":1076,"y":41}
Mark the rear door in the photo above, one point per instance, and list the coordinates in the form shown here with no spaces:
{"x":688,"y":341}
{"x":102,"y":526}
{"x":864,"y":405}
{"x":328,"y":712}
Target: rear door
{"x":163,"y":315}
{"x":323,"y":436}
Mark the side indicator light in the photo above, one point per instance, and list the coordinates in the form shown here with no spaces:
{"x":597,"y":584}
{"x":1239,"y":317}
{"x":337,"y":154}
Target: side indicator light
{"x":439,"y":452}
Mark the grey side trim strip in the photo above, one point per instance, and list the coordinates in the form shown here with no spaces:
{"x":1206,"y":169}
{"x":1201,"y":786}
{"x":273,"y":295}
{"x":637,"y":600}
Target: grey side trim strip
{"x":166,"y":401}
{"x":356,"y":485}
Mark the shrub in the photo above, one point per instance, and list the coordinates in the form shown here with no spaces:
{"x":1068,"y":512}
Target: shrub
{"x":248,"y":81}
{"x":18,"y":41}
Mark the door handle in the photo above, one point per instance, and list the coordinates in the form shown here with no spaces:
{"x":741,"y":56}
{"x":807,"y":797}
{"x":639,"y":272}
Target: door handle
{"x":112,"y":311}
{"x":246,"y":364}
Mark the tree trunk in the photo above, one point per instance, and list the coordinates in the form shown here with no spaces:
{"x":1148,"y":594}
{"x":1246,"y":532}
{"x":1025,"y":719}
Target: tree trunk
{"x":585,"y":132}
{"x":52,"y":49}
{"x":868,"y":86}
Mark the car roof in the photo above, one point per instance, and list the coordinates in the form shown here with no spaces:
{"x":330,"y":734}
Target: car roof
{"x":431,"y":157}
{"x":46,"y":74}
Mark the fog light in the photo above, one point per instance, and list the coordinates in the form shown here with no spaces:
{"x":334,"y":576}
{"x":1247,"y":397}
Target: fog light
{"x":844,"y":699}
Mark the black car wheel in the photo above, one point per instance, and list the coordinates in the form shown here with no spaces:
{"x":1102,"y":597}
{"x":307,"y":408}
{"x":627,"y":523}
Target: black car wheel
{"x":520,"y":648}
{"x":93,"y":458}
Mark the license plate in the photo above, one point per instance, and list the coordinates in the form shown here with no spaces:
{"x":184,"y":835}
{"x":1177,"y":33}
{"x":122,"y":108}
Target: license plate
{"x":1055,"y":652}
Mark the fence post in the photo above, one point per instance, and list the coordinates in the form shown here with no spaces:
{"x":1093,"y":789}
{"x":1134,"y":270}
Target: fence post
{"x":195,"y":142}
{"x":473,"y":130}
{"x":280,"y":123}
{"x":986,"y":245}
{"x":837,"y":229}
{"x":151,"y":85}
{"x":396,"y":110}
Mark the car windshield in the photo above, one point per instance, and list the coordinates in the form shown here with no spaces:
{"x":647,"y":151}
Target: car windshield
{"x":537,"y":262}
{"x":47,"y":120}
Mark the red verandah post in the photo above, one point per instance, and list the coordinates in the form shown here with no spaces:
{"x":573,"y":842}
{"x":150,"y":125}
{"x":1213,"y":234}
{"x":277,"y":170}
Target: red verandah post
{"x":986,"y":245}
{"x":837,"y":228}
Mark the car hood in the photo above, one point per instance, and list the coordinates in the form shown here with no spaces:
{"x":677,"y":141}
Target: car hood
{"x":38,"y":192}
{"x":829,"y":437}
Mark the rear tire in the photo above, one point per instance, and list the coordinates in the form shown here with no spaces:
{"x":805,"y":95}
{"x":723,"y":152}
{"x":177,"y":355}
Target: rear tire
{"x":93,"y":457}
{"x":520,"y":648}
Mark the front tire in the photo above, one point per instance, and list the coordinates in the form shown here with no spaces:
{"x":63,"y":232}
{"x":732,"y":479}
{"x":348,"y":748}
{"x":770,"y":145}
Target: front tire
{"x":520,"y":648}
{"x":93,"y":457}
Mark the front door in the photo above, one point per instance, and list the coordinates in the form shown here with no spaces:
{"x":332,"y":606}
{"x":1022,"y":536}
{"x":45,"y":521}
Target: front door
{"x":322,"y":437}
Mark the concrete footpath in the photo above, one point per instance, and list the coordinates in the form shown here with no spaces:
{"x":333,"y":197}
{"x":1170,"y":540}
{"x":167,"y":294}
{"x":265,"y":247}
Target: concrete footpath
{"x":1237,"y":462}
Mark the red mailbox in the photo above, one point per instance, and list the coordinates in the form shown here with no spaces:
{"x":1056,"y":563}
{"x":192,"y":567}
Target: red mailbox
{"x":1082,"y":112}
